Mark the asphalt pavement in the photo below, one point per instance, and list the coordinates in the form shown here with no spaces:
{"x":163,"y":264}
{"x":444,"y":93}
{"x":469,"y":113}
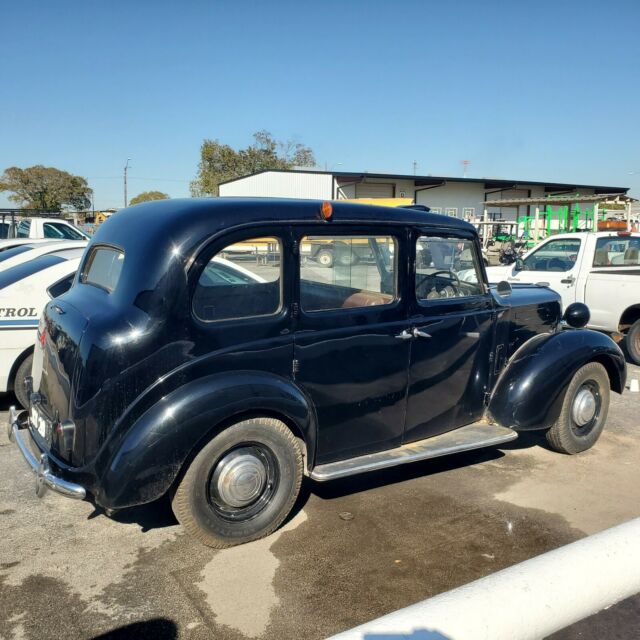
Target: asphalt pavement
{"x":353,"y":550}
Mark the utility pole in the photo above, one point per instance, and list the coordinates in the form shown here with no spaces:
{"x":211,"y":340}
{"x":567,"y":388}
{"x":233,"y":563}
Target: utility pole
{"x":465,"y":164}
{"x":126,"y":168}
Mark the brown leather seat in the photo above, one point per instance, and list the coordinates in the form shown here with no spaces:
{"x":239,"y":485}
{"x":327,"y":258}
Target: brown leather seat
{"x":366,"y":299}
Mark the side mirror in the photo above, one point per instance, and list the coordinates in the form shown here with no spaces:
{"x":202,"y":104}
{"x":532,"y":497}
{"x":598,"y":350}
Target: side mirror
{"x":577,"y":315}
{"x":504,"y":289}
{"x":519,"y":264}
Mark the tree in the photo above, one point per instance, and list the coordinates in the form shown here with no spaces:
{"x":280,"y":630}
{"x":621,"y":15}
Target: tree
{"x":147,"y":196}
{"x":220,"y":162}
{"x":46,"y":188}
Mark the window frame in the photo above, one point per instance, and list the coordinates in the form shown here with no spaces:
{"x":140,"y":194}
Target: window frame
{"x":352,"y":231}
{"x":425,"y":303}
{"x":215,"y":246}
{"x":88,"y":260}
{"x":546,"y":244}
{"x":612,"y":238}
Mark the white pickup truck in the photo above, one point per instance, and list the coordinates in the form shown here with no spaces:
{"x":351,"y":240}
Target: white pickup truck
{"x":601,"y":269}
{"x":50,"y":228}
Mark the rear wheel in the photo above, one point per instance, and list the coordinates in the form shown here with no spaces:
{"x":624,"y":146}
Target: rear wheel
{"x":241,"y":485}
{"x":325,"y":257}
{"x":584,"y":411}
{"x":19,"y":387}
{"x":633,"y":342}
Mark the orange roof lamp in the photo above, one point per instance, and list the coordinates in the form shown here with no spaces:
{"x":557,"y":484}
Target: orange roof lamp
{"x":326,"y":211}
{"x":612,"y":225}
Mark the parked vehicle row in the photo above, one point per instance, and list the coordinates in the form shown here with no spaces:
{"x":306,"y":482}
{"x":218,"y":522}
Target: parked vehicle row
{"x":177,"y":366}
{"x":601,"y":269}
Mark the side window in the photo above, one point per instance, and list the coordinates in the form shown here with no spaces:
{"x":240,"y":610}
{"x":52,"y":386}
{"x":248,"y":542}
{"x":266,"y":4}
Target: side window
{"x":60,"y":287}
{"x":617,"y":251}
{"x":555,"y":255}
{"x":446,"y":268}
{"x":23,"y":229}
{"x":243,"y":280}
{"x":343,"y":272}
{"x":61,"y":231}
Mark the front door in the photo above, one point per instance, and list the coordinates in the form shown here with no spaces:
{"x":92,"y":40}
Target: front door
{"x":451,"y":318}
{"x":556,"y":262}
{"x":350,"y":355}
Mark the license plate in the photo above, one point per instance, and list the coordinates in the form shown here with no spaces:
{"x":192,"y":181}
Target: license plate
{"x":41,"y":424}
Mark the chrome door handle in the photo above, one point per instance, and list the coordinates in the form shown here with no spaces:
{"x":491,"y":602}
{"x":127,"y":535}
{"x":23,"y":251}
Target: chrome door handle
{"x":405,"y":335}
{"x":58,"y":309}
{"x":569,"y":280}
{"x":420,"y":334}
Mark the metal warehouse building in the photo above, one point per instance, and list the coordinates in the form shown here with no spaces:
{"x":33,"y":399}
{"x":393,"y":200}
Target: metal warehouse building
{"x":460,"y":197}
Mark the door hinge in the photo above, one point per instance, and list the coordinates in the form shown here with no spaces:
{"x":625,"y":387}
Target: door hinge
{"x":295,"y":248}
{"x":295,"y":309}
{"x":295,"y":366}
{"x":487,"y":397}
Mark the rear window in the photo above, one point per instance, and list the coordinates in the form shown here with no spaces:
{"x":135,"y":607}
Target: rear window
{"x":15,"y":251}
{"x":13,"y":274}
{"x":103,"y":268}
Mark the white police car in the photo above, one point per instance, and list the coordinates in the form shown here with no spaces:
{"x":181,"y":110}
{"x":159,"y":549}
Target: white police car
{"x":24,"y":290}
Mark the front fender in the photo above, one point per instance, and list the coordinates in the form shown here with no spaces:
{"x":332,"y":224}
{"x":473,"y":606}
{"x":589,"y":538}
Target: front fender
{"x":529,"y":392}
{"x":150,"y":455}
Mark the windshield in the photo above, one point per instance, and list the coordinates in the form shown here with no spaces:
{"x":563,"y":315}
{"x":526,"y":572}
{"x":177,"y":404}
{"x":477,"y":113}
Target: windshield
{"x":62,"y":231}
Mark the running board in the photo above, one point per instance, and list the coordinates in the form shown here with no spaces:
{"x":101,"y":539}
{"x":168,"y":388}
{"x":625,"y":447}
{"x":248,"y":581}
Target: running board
{"x":473,"y":436}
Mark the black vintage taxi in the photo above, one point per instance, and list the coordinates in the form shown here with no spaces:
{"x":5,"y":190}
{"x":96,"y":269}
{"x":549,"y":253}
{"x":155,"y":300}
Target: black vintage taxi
{"x":209,"y":351}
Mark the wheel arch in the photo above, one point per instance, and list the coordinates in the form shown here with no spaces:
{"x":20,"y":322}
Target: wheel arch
{"x":529,"y":393}
{"x":144,"y":459}
{"x":16,"y":365}
{"x":630,"y":315}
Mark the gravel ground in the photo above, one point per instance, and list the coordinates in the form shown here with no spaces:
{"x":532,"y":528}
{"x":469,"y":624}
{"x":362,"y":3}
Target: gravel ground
{"x":353,"y":550}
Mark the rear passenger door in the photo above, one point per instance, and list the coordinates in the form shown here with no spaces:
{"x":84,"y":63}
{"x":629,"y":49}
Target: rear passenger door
{"x":349,"y":357}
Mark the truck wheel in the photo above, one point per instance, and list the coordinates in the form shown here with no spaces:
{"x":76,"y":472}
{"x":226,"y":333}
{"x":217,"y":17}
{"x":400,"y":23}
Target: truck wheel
{"x":19,"y":386}
{"x":633,"y":342}
{"x":584,"y":411}
{"x":347,"y":259}
{"x":325,"y":257}
{"x":241,"y":485}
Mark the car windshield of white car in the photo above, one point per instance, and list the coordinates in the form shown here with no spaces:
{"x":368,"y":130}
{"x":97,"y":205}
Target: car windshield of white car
{"x":19,"y":272}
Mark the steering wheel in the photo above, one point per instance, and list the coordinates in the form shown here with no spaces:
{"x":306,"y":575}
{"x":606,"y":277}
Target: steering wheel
{"x":450,"y":274}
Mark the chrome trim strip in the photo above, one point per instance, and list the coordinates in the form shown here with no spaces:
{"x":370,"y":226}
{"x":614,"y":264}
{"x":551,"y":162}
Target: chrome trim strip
{"x":45,"y":478}
{"x":472,"y":436}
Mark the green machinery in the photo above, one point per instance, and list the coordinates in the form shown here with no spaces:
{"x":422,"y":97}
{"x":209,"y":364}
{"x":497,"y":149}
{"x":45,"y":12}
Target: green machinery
{"x":564,"y":220}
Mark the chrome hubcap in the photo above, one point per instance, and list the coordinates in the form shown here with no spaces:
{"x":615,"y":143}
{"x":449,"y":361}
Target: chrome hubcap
{"x":584,"y":407}
{"x":240,"y":478}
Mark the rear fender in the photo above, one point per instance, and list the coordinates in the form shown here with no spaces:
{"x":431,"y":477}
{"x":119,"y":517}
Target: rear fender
{"x":149,"y":457}
{"x":529,"y":392}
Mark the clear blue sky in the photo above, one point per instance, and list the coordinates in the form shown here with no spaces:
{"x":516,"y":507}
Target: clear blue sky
{"x":546,"y":90}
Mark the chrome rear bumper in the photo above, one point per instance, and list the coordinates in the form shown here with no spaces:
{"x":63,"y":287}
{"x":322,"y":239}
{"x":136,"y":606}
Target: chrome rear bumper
{"x":18,"y":432}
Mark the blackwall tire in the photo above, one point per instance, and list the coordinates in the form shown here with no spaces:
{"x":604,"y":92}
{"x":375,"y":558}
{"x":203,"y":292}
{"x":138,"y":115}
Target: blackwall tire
{"x":574,"y":430}
{"x":19,"y":386}
{"x":633,"y":342}
{"x":242,"y":484}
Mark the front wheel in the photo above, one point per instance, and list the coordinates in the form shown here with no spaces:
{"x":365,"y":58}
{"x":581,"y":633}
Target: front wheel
{"x":584,"y":411}
{"x":241,"y":485}
{"x":633,"y":342}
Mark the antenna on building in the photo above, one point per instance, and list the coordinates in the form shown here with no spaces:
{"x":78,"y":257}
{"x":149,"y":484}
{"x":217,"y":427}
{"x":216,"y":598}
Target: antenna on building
{"x":415,"y":168}
{"x":465,"y":164}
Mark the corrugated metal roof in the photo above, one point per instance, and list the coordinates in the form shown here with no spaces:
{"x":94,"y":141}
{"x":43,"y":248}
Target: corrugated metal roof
{"x":423,"y":181}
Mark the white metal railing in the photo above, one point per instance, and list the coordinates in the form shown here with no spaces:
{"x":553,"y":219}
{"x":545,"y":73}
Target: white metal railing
{"x":527,"y":601}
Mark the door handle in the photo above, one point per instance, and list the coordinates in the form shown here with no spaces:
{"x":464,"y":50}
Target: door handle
{"x":420,"y":334}
{"x":405,"y":335}
{"x":569,"y":280}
